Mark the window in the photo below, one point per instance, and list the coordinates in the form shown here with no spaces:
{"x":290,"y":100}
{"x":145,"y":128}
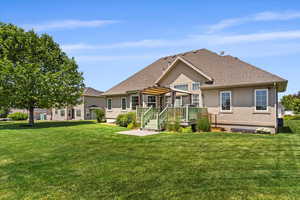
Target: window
{"x":78,"y":113}
{"x":168,"y":100}
{"x":151,"y":101}
{"x":225,"y":99}
{"x":56,"y":111}
{"x":123,"y":103}
{"x":261,"y":100}
{"x":134,"y":102}
{"x":178,"y":101}
{"x":195,"y":99}
{"x":62,"y":113}
{"x":182,"y":87}
{"x":196,"y":86}
{"x":109,"y":102}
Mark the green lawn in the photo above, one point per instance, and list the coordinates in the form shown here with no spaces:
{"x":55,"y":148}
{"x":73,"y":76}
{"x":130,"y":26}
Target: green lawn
{"x":84,"y":160}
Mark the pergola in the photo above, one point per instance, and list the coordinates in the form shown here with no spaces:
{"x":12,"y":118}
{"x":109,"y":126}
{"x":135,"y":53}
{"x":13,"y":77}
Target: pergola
{"x":161,"y":91}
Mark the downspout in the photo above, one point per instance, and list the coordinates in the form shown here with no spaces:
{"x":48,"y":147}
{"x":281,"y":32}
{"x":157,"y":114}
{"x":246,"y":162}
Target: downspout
{"x":276,"y":107}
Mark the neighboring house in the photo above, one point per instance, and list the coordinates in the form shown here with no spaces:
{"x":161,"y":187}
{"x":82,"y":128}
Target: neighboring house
{"x":237,"y":94}
{"x":91,"y":100}
{"x":39,"y":113}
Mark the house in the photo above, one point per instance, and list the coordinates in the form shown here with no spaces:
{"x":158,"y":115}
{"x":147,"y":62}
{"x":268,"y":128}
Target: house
{"x":236,"y":94}
{"x":91,"y":100}
{"x":39,"y":113}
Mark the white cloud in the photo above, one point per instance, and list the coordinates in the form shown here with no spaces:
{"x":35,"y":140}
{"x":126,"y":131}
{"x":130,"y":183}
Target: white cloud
{"x":192,"y":40}
{"x":253,"y":37}
{"x":262,"y":16}
{"x":68,"y":24}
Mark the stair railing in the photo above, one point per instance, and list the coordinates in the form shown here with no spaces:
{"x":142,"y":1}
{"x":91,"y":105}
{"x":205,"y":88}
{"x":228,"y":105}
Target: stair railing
{"x":146,"y":117}
{"x":162,"y":118}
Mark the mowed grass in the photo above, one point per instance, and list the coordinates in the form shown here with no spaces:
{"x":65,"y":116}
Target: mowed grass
{"x":85,"y":160}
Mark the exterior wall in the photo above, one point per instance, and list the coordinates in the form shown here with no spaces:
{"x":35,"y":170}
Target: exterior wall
{"x":183,"y":74}
{"x":83,"y":108}
{"x":56,"y":114}
{"x":37,"y":113}
{"x":243,"y":108}
{"x":116,"y":106}
{"x":89,"y":101}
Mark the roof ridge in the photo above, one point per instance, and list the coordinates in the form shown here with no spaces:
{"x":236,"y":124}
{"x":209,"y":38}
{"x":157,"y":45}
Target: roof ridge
{"x":187,"y":52}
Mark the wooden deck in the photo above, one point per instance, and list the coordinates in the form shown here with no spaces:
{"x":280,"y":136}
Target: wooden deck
{"x":154,"y":118}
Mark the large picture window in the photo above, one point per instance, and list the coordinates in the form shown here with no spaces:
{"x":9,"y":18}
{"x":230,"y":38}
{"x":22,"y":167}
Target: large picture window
{"x":225,"y":100}
{"x":182,"y":87}
{"x":261,"y":100}
{"x":134,"y":102}
{"x":109,"y":102}
{"x":123,"y":103}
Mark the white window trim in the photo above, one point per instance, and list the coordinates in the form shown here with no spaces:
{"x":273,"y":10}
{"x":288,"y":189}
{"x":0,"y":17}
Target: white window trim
{"x":107,"y":104}
{"x":131,"y":99}
{"x":125,"y":103}
{"x":195,"y":83}
{"x":230,"y":95}
{"x":267,"y":95}
{"x":188,"y":86}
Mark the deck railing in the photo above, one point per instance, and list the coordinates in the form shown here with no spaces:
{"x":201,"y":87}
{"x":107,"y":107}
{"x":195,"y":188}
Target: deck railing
{"x":187,"y":114}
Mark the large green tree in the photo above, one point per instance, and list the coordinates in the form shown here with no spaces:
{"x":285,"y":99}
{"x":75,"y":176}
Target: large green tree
{"x":291,"y":102}
{"x":35,"y":72}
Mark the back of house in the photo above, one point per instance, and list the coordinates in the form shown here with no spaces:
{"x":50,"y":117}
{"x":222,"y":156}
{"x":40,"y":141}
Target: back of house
{"x":238,"y":95}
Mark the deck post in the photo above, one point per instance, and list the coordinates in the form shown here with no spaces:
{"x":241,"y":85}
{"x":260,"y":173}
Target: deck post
{"x":173,"y":98}
{"x":187,"y":113}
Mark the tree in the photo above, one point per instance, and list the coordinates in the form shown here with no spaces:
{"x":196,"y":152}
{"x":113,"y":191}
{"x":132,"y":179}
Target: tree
{"x":35,"y":72}
{"x":287,"y":102}
{"x":296,"y":105}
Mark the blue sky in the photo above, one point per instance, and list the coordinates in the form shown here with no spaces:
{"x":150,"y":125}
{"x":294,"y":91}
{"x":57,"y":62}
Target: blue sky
{"x":111,"y":40}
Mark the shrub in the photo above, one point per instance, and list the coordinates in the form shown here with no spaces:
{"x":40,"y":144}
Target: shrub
{"x":293,"y":122}
{"x":186,"y":130}
{"x":173,"y":126}
{"x":18,"y":116}
{"x":125,"y":119}
{"x":203,"y":124}
{"x":100,"y":115}
{"x":131,"y":126}
{"x":3,"y":112}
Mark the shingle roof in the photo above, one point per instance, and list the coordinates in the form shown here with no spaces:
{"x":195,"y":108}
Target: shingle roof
{"x":88,"y":91}
{"x":225,"y":70}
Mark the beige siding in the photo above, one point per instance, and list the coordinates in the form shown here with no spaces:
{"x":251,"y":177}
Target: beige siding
{"x":84,"y":108}
{"x":181,"y":73}
{"x":243,"y":107}
{"x":116,"y":106}
{"x":56,"y":114}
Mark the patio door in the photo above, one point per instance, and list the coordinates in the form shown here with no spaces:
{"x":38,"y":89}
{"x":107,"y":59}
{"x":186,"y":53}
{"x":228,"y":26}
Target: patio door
{"x":178,"y":101}
{"x":151,"y":101}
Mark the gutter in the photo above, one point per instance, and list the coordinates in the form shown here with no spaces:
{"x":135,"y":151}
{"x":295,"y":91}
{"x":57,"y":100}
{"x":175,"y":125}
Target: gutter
{"x":208,"y":87}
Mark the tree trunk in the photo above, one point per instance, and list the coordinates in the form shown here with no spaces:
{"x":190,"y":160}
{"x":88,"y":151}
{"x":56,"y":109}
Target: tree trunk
{"x":31,"y":116}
